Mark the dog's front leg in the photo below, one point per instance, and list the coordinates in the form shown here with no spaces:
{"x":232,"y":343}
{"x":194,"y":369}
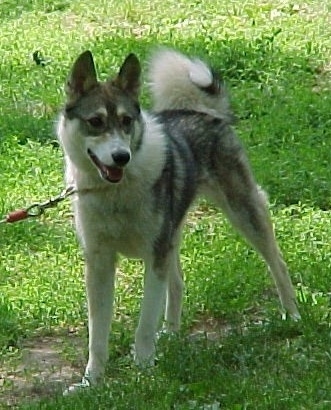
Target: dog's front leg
{"x":151,"y":310}
{"x":99,"y":276}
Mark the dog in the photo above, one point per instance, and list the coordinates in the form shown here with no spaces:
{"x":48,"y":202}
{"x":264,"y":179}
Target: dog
{"x":136,"y":173}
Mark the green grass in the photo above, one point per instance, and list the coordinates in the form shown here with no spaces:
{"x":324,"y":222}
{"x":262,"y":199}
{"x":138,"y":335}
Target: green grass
{"x":275,"y":57}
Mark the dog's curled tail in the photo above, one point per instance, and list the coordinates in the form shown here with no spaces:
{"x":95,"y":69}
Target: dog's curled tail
{"x":179,"y":82}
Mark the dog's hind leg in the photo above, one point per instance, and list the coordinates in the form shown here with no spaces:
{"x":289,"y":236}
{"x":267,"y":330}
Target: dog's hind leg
{"x":244,"y":203}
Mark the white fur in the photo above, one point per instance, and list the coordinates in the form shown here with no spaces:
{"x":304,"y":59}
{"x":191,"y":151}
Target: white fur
{"x":174,"y":81}
{"x":199,"y":73}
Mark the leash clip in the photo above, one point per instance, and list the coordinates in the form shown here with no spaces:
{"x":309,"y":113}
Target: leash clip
{"x":38,"y":208}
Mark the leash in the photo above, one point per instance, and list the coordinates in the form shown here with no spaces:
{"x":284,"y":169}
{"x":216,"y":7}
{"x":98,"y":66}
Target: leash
{"x":38,"y":208}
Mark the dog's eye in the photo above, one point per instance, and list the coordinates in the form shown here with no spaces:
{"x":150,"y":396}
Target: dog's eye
{"x":126,"y":121}
{"x":95,"y":122}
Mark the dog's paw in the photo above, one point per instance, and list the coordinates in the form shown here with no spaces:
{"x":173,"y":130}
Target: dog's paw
{"x":144,"y":350}
{"x":143,"y":358}
{"x":295,"y":315}
{"x":78,"y":387}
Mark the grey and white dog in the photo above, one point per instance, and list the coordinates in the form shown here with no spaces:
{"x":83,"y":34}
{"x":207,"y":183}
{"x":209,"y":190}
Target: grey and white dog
{"x":136,"y":173}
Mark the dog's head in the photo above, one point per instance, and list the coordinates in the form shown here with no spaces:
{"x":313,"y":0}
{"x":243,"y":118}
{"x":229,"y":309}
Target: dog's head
{"x":102,"y":119}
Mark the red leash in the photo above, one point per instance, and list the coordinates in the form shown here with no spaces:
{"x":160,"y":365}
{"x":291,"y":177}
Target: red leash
{"x":38,"y":208}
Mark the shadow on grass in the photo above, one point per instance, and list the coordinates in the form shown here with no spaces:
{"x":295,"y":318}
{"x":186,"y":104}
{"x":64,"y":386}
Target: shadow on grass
{"x":26,"y":127}
{"x":10,"y":330}
{"x":285,"y":123}
{"x":245,"y":64}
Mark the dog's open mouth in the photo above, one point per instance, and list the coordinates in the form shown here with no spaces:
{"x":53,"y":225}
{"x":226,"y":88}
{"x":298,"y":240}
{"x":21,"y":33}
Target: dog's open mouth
{"x":110,"y":173}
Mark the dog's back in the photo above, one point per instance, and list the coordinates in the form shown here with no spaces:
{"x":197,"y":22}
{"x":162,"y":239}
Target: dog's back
{"x":178,"y":82}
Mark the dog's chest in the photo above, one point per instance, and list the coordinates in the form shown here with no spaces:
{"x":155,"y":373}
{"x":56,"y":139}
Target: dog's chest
{"x":124,"y":225}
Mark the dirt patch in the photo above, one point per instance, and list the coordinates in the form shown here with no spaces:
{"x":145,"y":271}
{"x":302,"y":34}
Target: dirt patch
{"x":322,"y":78}
{"x":46,"y":366}
{"x":210,"y":328}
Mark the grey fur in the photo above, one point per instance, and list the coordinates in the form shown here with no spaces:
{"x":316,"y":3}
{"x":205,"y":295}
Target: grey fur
{"x":137,"y":206}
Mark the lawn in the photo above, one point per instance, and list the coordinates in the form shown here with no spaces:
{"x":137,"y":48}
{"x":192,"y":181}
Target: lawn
{"x":234,"y":351}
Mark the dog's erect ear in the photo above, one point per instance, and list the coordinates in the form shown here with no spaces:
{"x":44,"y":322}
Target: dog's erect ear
{"x":128,"y":78}
{"x":83,"y":76}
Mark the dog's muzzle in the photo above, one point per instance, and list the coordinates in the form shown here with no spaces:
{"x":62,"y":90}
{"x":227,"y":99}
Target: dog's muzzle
{"x":112,"y":173}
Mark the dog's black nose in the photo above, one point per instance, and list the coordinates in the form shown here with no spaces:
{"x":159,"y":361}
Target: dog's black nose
{"x":121,"y":158}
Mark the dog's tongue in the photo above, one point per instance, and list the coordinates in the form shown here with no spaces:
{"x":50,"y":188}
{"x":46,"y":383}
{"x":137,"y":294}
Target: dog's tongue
{"x":113,"y":174}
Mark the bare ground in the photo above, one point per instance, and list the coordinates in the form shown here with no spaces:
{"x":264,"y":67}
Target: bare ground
{"x":45,"y":368}
{"x":46,"y":365}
